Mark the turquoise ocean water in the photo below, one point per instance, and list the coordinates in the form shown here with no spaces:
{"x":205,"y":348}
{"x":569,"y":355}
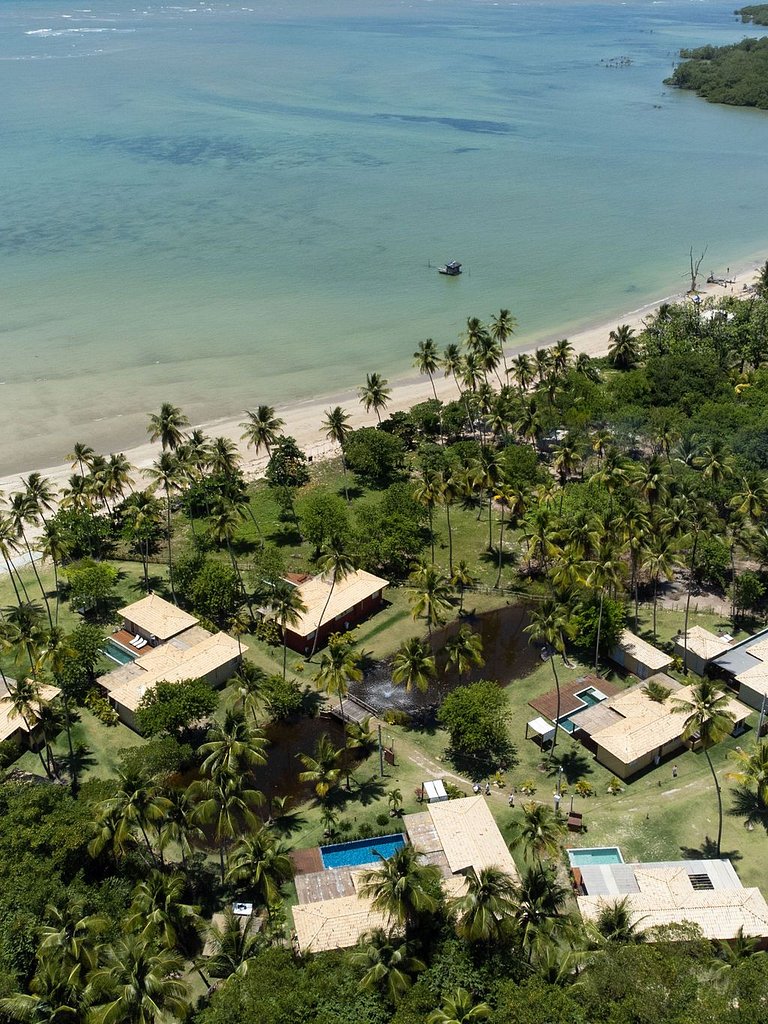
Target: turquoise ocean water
{"x":225,"y":205}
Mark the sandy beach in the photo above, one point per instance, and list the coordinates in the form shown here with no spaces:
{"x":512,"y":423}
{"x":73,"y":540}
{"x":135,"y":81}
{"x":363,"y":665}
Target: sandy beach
{"x":302,"y":420}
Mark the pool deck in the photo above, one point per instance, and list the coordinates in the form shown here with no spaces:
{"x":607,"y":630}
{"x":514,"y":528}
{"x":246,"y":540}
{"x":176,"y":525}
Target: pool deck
{"x":547,"y":704}
{"x":123,"y":637}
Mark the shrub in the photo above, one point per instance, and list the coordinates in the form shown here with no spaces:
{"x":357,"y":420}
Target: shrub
{"x":365,"y":831}
{"x":394,"y":716}
{"x":382,"y":820}
{"x":584,"y":788}
{"x":101,"y":708}
{"x":476,"y":716}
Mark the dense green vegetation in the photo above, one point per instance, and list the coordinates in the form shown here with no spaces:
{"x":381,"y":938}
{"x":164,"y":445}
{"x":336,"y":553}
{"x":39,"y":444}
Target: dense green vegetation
{"x":735,"y":74}
{"x":757,"y":14}
{"x":590,"y":487}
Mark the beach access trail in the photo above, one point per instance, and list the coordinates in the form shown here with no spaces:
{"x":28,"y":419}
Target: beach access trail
{"x":303,"y":420}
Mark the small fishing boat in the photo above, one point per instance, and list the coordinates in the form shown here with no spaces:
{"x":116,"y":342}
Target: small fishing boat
{"x":452,"y":269}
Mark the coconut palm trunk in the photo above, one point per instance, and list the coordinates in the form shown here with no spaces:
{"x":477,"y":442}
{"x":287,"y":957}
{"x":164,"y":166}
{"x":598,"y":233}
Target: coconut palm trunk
{"x":688,"y":599}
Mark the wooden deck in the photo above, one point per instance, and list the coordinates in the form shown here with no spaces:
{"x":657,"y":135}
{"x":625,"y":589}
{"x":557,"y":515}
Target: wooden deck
{"x":349,"y":710}
{"x":547,"y":704}
{"x":123,"y":637}
{"x":305,"y":862}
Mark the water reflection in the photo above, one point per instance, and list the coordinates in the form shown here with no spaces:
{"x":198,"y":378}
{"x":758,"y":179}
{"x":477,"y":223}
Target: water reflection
{"x":507,"y":652}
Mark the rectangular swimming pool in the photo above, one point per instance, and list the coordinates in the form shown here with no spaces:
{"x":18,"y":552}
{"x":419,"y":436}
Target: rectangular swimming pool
{"x":117,"y":652}
{"x":595,"y":855}
{"x":361,"y":851}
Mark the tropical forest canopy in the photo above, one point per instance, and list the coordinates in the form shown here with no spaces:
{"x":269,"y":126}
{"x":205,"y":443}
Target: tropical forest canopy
{"x":583,"y":484}
{"x":736,"y":74}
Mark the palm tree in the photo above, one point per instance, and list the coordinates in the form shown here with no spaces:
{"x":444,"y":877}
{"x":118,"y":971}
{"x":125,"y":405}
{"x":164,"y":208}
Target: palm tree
{"x":56,"y":995}
{"x":650,"y":478}
{"x":177,"y":826}
{"x":337,"y":429}
{"x":606,"y":572}
{"x":134,"y":805}
{"x":448,"y":490}
{"x":322,"y":770}
{"x":709,"y":720}
{"x":752,"y":769}
{"x":167,"y":426}
{"x":158,"y":915}
{"x":260,"y":864}
{"x":56,"y":653}
{"x":25,"y":702}
{"x":375,"y":393}
{"x":540,"y":831}
{"x":501,"y":329}
{"x":451,"y":363}
{"x":624,"y":349}
{"x":613,"y":474}
{"x":360,"y":740}
{"x":20,"y":512}
{"x":233,"y":747}
{"x":426,"y":491}
{"x":523,"y":372}
{"x":615,"y":924}
{"x":427,"y":361}
{"x":233,"y":947}
{"x":547,"y":625}
{"x":226,"y":803}
{"x":387,"y":964}
{"x":465,"y":650}
{"x":248,"y":682}
{"x":459,"y":1008}
{"x":71,"y":936}
{"x":81,"y":456}
{"x":462,"y":579}
{"x":659,"y":559}
{"x":287,"y":605}
{"x":403,"y":888}
{"x":585,"y":365}
{"x":339,"y":666}
{"x":9,"y":549}
{"x":141,"y":516}
{"x":430,"y":594}
{"x":165,"y":474}
{"x":335,"y":565}
{"x":485,"y":910}
{"x":540,"y":900}
{"x":528,"y":425}
{"x":138,"y":984}
{"x":490,"y":471}
{"x":413,"y":665}
{"x":715,"y":461}
{"x":262,"y":428}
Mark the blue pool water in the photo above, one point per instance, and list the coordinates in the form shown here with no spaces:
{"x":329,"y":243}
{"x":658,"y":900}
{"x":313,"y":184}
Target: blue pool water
{"x":361,"y":851}
{"x":595,"y":855}
{"x":118,"y":653}
{"x":589,"y":697}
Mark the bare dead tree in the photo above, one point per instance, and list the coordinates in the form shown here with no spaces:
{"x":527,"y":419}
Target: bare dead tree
{"x":695,"y":264}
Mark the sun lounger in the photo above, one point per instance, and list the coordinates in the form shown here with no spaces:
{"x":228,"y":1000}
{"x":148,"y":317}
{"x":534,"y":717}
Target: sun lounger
{"x":141,"y":643}
{"x":136,"y":640}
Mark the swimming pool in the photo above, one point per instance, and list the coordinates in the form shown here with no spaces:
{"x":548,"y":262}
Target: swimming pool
{"x":117,"y":652}
{"x":589,"y":698}
{"x":361,"y":851}
{"x":595,"y":855}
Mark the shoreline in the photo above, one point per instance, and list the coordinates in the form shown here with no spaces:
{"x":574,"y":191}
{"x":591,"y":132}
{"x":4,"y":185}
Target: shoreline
{"x":303,"y":418}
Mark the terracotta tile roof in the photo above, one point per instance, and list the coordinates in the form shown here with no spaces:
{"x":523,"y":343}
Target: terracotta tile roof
{"x":156,"y":617}
{"x":11,"y":723}
{"x":643,"y":652}
{"x":701,"y":642}
{"x":645,"y":725}
{"x":667,"y":897}
{"x":470,"y":836}
{"x":335,"y":924}
{"x":169,"y":664}
{"x":347,"y":593}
